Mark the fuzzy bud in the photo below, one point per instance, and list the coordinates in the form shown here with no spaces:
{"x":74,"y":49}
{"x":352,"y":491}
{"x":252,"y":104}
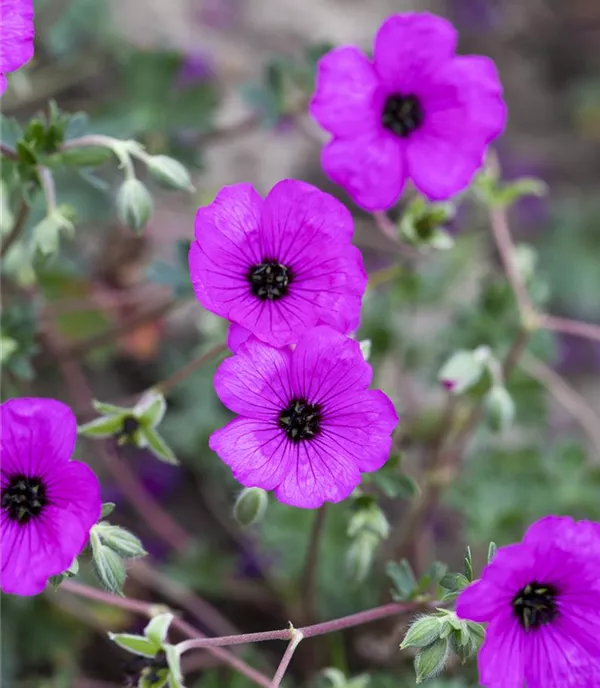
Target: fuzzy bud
{"x":169,"y":172}
{"x":431,"y":660}
{"x":423,"y":632}
{"x":134,"y":204}
{"x":250,"y":506}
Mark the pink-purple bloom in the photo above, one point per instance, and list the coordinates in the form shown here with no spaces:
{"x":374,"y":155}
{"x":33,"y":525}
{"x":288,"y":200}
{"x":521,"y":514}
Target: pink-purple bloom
{"x":541,"y":600}
{"x":280,"y":265}
{"x":16,"y":36}
{"x":415,"y":111}
{"x":48,"y":503}
{"x":308,"y":425}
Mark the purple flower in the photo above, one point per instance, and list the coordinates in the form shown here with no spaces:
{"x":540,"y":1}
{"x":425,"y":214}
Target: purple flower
{"x":280,"y":265}
{"x":541,"y":599}
{"x":196,"y":68}
{"x":49,"y":503}
{"x":308,"y":425}
{"x":415,"y":111}
{"x":16,"y":36}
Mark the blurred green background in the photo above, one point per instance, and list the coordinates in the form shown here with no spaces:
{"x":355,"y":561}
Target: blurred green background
{"x":221,"y":85}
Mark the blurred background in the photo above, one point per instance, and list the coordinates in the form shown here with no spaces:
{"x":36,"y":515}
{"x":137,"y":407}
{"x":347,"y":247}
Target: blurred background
{"x":222,"y":86}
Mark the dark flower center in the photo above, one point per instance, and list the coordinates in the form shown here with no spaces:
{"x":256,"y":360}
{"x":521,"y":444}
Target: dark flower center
{"x":535,"y":605}
{"x":269,"y":280}
{"x":130,"y":425}
{"x":24,"y":498}
{"x":301,"y":420}
{"x":402,"y":114}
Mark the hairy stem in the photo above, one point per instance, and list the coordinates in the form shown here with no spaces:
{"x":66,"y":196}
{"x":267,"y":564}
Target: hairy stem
{"x":287,"y":658}
{"x":309,"y":577}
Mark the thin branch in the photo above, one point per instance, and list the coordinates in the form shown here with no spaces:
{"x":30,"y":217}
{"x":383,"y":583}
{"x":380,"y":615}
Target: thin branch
{"x":506,"y":249}
{"x":148,"y":610}
{"x":568,"y":397}
{"x":309,"y":577}
{"x":18,"y":227}
{"x":287,"y":658}
{"x":195,"y":364}
{"x":572,"y":327}
{"x":350,"y":621}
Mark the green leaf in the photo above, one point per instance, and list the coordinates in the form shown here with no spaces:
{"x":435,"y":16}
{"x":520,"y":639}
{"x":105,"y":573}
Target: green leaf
{"x":468,"y":561}
{"x":511,"y":192}
{"x":157,"y":629}
{"x":499,"y":409}
{"x":150,"y":410}
{"x":403,"y":578}
{"x":454,"y":582}
{"x":107,"y":426}
{"x":134,"y":204}
{"x":492,"y":549}
{"x":158,"y":446}
{"x":136,"y":644}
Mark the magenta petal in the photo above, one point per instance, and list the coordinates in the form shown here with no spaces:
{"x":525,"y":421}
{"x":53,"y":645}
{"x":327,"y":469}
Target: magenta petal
{"x":236,"y":336}
{"x":16,"y":34}
{"x":502,"y":658}
{"x":327,"y":365}
{"x":297,"y":216}
{"x":36,"y":435}
{"x":257,"y":451}
{"x":23,"y":569}
{"x":409,"y":47}
{"x":255,"y":382}
{"x":318,"y":475}
{"x":481,"y":602}
{"x":371,"y":168}
{"x":361,"y":426}
{"x":346,"y":86}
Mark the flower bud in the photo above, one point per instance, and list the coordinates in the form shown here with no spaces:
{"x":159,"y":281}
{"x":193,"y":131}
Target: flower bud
{"x":169,"y":172}
{"x":461,"y":371}
{"x":46,"y":234}
{"x":499,"y":408}
{"x":250,"y":506}
{"x":423,"y":632}
{"x":134,"y":204}
{"x":431,"y":660}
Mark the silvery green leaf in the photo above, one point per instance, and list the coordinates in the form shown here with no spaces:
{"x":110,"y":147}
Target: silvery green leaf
{"x":336,"y":677}
{"x":359,"y":557}
{"x":171,"y":173}
{"x":150,"y":409}
{"x":157,"y":629}
{"x":499,"y":409}
{"x":158,"y":446}
{"x":403,"y":578}
{"x":492,"y":549}
{"x":365,"y":348}
{"x":136,"y":644}
{"x":121,"y":541}
{"x":106,"y":426}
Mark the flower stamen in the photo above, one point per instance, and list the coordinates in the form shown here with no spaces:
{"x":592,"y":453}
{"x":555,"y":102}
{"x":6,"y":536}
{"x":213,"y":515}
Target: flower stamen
{"x":402,"y":114}
{"x":269,"y":280}
{"x":24,"y":498}
{"x":535,"y":605}
{"x":301,"y":420}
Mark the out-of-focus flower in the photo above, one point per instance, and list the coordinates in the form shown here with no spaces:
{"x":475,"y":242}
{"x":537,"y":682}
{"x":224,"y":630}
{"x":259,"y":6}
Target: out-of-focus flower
{"x":541,"y":600}
{"x":48,"y":503}
{"x":196,"y":68}
{"x":278,"y":266}
{"x":16,"y":36}
{"x":416,"y":111}
{"x":302,"y":416}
